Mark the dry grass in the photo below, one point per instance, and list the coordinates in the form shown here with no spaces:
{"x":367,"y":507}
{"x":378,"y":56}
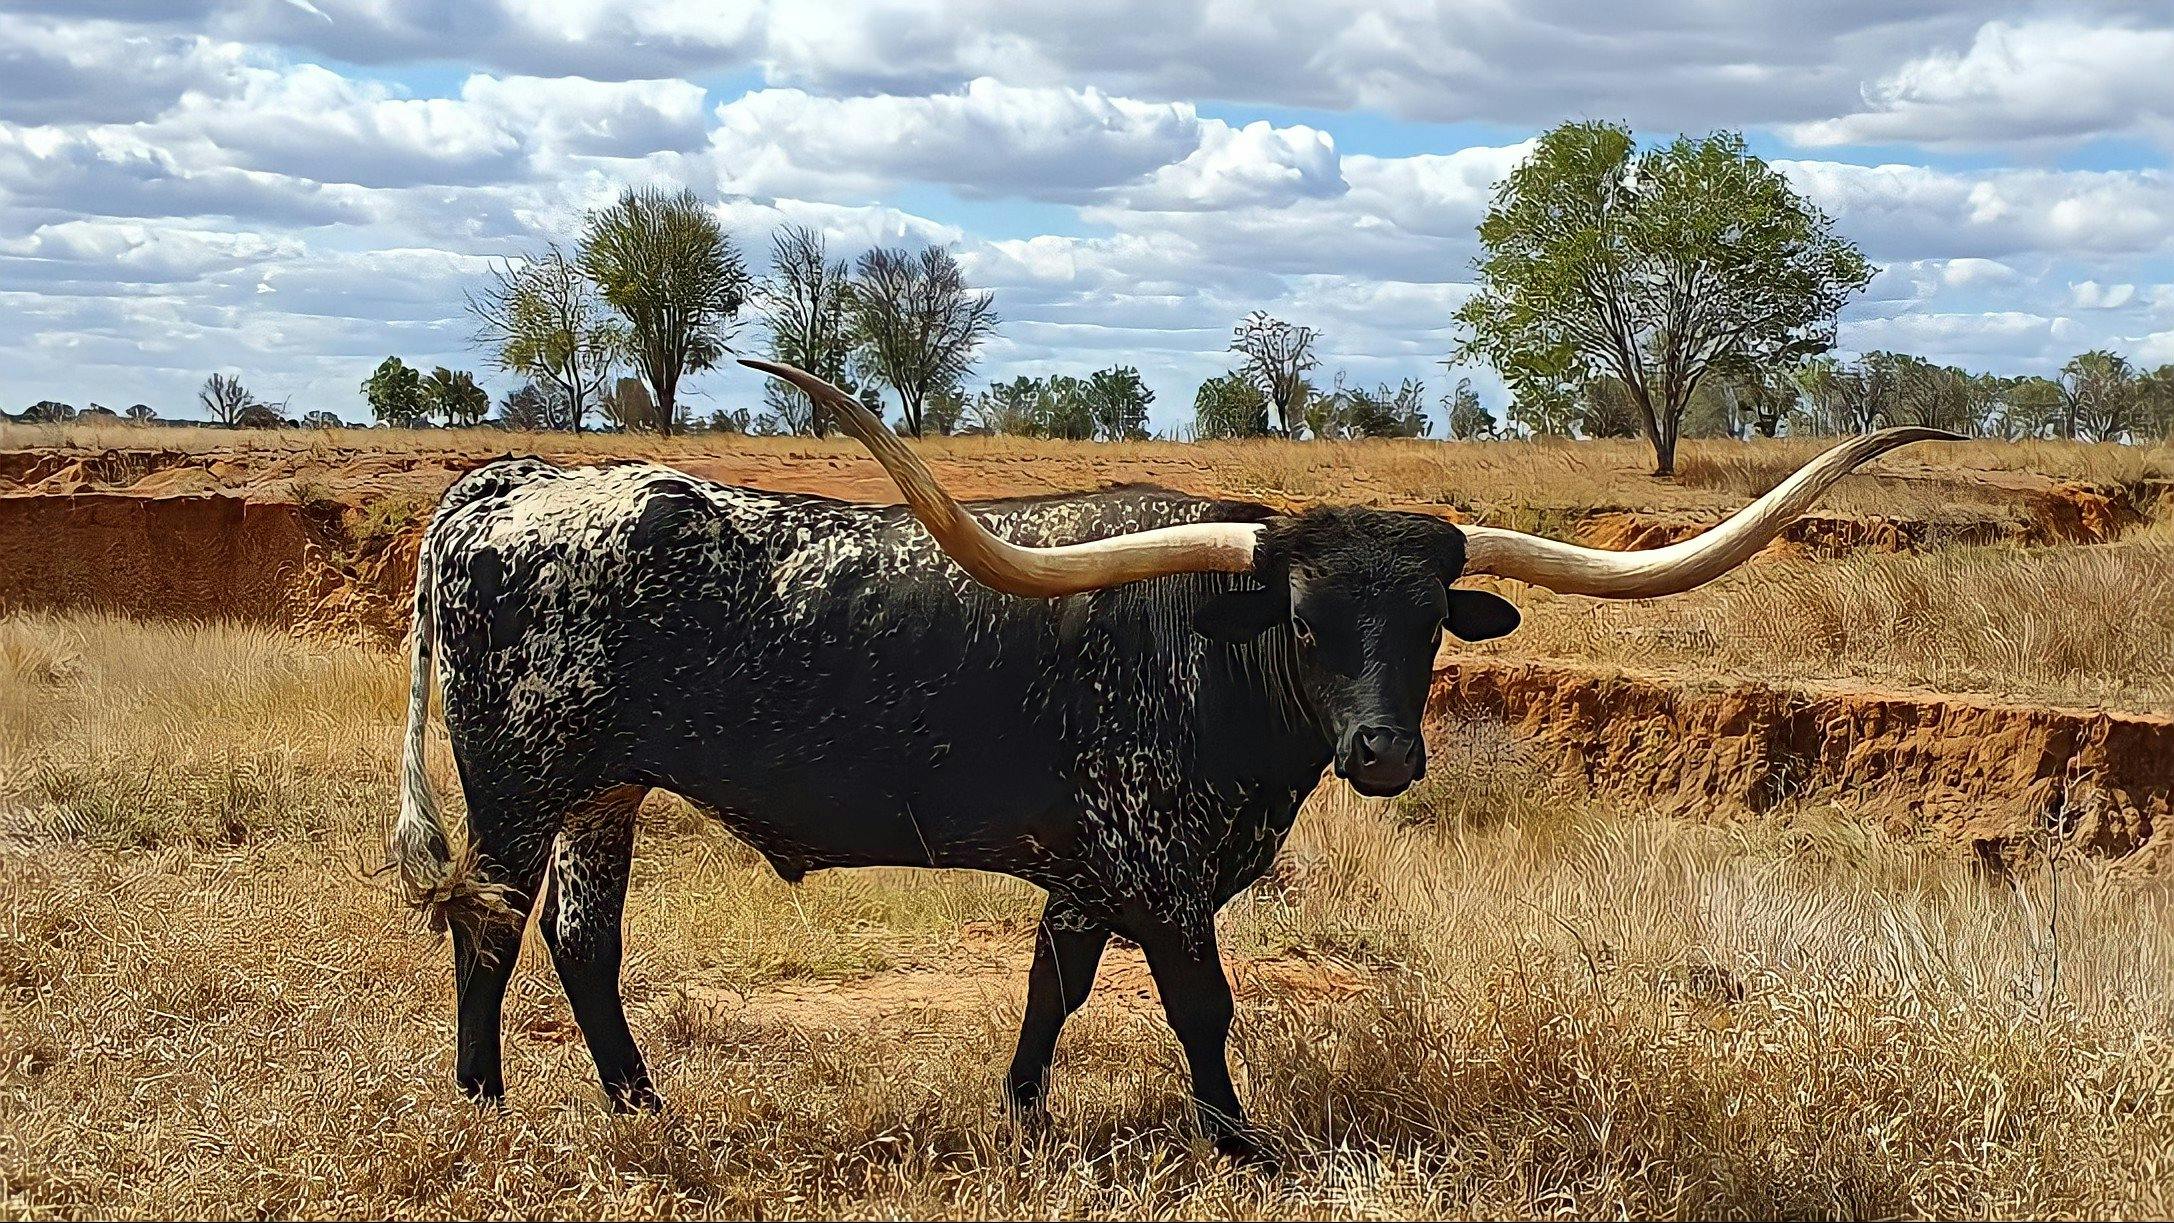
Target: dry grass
{"x":1508,"y":481}
{"x":2066,"y":625}
{"x":1576,"y":1012}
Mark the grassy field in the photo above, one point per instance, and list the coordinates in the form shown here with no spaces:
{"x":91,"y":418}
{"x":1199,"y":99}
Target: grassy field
{"x":1477,"y":1001}
{"x":2090,"y":626}
{"x":1512,"y":481}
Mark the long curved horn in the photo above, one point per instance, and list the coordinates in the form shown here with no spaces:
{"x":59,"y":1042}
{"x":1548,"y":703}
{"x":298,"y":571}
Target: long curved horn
{"x":1571,"y":569}
{"x":1208,"y":547}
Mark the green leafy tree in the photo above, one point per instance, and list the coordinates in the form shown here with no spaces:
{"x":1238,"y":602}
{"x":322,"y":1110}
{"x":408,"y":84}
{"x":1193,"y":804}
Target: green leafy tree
{"x":945,"y":411}
{"x":917,"y":324}
{"x":2099,"y":397}
{"x":1066,"y":410}
{"x":394,"y":392}
{"x":542,"y":319}
{"x":1605,"y":409}
{"x":1117,"y":401}
{"x":454,"y":396}
{"x":664,"y":262}
{"x":1015,"y":408}
{"x":1386,"y":411}
{"x":1230,"y":406}
{"x":1468,"y":418}
{"x":1655,"y":268}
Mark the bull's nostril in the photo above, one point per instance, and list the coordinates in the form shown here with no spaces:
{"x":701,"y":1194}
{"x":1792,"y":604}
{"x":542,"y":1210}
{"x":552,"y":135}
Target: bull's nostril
{"x":1366,"y":750}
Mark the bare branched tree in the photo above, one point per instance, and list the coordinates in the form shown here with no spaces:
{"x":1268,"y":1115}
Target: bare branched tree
{"x":806,"y":304}
{"x":916,"y":324}
{"x":224,"y":399}
{"x":543,"y":320}
{"x":1277,"y":356}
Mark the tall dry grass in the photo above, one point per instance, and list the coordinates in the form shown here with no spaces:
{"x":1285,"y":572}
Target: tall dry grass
{"x":1568,"y":1011}
{"x":2068,"y":625}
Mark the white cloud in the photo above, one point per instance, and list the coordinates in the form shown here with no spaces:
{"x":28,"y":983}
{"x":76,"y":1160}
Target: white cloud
{"x":1902,"y":210}
{"x":2034,"y":82}
{"x":2091,"y":295}
{"x":988,"y":138}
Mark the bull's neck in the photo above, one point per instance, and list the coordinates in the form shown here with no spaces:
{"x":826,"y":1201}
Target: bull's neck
{"x":1258,"y":708}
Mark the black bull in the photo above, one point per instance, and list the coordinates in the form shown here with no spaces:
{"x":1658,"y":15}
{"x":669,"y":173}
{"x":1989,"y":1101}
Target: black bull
{"x":826,"y":682}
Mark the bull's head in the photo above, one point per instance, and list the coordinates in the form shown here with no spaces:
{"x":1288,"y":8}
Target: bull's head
{"x":1365,"y":594}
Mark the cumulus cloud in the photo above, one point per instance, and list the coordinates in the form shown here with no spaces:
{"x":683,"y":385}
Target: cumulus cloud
{"x":219,"y":177}
{"x":1898,"y":210}
{"x":986,"y":139}
{"x":2028,"y":83}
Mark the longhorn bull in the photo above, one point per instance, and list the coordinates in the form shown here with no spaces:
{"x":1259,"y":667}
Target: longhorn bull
{"x":1121,"y":697}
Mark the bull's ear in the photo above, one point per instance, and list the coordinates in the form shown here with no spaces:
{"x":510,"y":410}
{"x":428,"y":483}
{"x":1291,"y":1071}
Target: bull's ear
{"x":1476,"y":615}
{"x":1240,"y":615}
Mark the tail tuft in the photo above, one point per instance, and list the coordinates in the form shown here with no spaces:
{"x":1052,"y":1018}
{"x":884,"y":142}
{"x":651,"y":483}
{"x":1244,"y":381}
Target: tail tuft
{"x":445,"y":887}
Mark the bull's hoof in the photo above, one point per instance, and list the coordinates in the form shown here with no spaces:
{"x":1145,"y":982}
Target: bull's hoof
{"x":1246,"y":1148}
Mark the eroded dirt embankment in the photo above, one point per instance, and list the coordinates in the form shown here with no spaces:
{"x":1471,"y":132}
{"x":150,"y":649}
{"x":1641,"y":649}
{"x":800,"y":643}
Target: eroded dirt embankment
{"x":1993,"y":774}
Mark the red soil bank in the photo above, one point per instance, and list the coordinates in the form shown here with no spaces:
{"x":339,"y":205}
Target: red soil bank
{"x":1987,"y":772}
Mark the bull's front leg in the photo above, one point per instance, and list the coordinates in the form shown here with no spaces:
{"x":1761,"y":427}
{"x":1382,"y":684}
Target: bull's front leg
{"x":1067,"y":950}
{"x":1188,"y":972}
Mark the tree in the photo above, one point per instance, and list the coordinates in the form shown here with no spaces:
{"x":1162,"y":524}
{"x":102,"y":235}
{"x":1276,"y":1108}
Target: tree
{"x":2155,"y":402}
{"x":1277,"y":356}
{"x":1468,"y":418}
{"x":807,"y":306}
{"x":945,"y":411}
{"x":1066,"y":411}
{"x":141,"y":413}
{"x":1117,"y":403}
{"x":455,"y":396}
{"x":665,"y":264}
{"x":1759,"y":399}
{"x":47,"y":412}
{"x":1387,"y":412}
{"x":2099,"y":397}
{"x":1014,"y":407}
{"x":2030,"y":406}
{"x":1605,"y":409}
{"x":543,"y":320}
{"x":1656,"y":268}
{"x":259,"y":415}
{"x":394,"y":392}
{"x":530,"y":409}
{"x":321,"y":419}
{"x":916,"y":323}
{"x":1230,"y":406}
{"x":223,"y":399}
{"x":628,"y":405}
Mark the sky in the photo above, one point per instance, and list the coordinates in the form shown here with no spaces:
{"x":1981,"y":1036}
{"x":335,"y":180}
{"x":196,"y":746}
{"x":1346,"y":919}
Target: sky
{"x":290,"y":190}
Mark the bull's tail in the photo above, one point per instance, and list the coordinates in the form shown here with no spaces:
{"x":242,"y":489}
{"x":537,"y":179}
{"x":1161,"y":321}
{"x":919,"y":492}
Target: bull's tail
{"x":432,"y":878}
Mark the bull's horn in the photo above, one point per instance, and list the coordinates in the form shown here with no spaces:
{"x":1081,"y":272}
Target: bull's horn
{"x":1035,"y":572}
{"x":1664,"y":571}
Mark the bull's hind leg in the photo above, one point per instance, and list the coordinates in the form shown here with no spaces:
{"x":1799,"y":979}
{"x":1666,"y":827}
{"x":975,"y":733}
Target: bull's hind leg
{"x":581,"y":925}
{"x":1066,"y":953}
{"x":486,"y":945}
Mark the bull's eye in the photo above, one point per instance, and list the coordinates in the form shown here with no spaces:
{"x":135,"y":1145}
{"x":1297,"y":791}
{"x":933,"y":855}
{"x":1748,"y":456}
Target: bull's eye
{"x":1300,"y":629}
